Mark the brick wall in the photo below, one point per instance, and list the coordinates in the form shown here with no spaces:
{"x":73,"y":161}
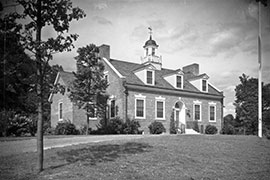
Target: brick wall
{"x":169,"y":104}
{"x":116,"y":89}
{"x":67,"y":107}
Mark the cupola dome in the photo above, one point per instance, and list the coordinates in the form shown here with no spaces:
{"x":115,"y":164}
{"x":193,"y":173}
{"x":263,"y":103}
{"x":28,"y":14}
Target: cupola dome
{"x":150,"y":42}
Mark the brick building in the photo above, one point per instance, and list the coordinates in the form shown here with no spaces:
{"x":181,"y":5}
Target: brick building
{"x":148,"y":92}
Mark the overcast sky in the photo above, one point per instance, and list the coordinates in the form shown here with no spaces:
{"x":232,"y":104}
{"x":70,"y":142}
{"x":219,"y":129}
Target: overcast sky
{"x":219,"y":35}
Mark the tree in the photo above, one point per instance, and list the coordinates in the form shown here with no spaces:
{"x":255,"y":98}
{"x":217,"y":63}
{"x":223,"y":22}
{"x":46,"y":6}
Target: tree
{"x":247,"y":103}
{"x":38,"y":14}
{"x":16,"y":69}
{"x":89,"y":86}
{"x":228,"y":124}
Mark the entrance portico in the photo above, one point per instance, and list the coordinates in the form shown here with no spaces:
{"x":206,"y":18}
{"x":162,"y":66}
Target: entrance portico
{"x":180,"y":115}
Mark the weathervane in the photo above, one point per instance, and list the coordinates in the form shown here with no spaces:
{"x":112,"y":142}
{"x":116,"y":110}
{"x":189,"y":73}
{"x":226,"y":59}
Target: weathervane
{"x":150,"y":30}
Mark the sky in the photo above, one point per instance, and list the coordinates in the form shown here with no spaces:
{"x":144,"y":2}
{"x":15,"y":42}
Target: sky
{"x":219,"y":35}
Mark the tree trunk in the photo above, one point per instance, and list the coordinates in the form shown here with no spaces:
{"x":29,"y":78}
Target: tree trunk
{"x":39,"y":91}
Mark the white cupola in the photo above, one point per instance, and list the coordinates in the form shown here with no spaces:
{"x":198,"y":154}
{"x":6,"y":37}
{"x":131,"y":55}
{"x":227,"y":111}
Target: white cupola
{"x":151,"y":57}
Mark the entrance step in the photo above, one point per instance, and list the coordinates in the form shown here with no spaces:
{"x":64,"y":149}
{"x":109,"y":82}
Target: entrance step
{"x":191,"y":131}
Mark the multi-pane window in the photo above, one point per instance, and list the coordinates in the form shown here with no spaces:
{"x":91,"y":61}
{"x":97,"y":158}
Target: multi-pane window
{"x":113,"y":108}
{"x":179,"y":81}
{"x":92,"y":113}
{"x":204,"y":85}
{"x":197,"y":112}
{"x":212,"y":113}
{"x":60,"y":109}
{"x":140,"y":108}
{"x":160,"y":109}
{"x":153,"y":51}
{"x":149,"y":77}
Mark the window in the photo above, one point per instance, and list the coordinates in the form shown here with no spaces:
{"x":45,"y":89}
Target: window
{"x":204,"y":85}
{"x":212,"y":113}
{"x":149,"y":77}
{"x":160,"y":109}
{"x":153,"y":51}
{"x":112,"y":110}
{"x":140,"y":108}
{"x":146,"y":51}
{"x":179,"y":82}
{"x":197,"y":112}
{"x":60,"y":109}
{"x":92,"y":113}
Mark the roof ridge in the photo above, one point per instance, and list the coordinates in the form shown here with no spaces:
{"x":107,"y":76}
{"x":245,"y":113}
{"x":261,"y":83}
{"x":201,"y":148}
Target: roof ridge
{"x":124,"y":61}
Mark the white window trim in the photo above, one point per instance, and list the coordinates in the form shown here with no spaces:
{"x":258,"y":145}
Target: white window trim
{"x":160,"y":99}
{"x":215,"y":111}
{"x":93,"y":118}
{"x":182,"y":81}
{"x":200,"y":104}
{"x":202,"y":85}
{"x":140,"y":97}
{"x":59,"y":111}
{"x":153,"y":77}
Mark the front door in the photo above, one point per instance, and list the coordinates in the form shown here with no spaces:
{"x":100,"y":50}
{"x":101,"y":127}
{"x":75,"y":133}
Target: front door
{"x":177,"y":117}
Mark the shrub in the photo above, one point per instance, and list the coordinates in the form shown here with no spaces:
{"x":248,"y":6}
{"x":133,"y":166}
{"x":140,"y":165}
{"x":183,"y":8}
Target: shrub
{"x":156,"y":128}
{"x":132,"y":127}
{"x":173,"y":129}
{"x":49,"y":131}
{"x":17,"y":126}
{"x":227,"y":129}
{"x":66,"y":128}
{"x":82,"y":129}
{"x":5,"y":118}
{"x":117,"y":126}
{"x":210,"y":129}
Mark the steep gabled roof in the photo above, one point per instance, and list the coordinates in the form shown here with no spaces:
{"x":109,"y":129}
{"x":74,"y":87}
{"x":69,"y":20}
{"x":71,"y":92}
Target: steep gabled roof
{"x":127,"y":68}
{"x":67,"y":77}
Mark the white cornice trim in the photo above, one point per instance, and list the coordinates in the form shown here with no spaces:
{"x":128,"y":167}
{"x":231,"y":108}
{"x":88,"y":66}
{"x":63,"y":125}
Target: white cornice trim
{"x":55,"y":82}
{"x":214,"y":87}
{"x":113,"y":68}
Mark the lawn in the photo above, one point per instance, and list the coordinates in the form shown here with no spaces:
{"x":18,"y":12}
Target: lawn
{"x":184,"y":157}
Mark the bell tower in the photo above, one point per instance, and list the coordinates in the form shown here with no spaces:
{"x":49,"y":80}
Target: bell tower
{"x":151,"y":56}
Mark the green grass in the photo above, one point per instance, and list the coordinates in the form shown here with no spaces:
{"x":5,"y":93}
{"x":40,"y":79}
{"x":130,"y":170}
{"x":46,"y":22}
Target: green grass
{"x":162,"y":157}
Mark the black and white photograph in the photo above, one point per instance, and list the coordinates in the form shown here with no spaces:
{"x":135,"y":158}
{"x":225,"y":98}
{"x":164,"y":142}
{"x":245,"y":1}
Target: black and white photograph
{"x":135,"y":89}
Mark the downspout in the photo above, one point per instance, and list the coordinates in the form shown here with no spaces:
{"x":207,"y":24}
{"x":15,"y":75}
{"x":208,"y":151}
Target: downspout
{"x":222,"y":108}
{"x":125,"y":99}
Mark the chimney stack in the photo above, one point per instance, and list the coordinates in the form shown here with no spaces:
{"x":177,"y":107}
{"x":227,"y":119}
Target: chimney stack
{"x":192,"y":68}
{"x":104,"y":51}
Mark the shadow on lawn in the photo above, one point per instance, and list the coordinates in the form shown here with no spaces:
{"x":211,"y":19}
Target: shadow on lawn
{"x":102,"y":153}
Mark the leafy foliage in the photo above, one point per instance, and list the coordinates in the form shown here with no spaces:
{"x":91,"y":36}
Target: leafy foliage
{"x":210,"y":129}
{"x":228,"y":125}
{"x":247,"y":104}
{"x":19,"y":125}
{"x":88,"y":88}
{"x":132,"y":127}
{"x":117,"y":126}
{"x":66,"y":128}
{"x":173,"y":129}
{"x":156,"y":128}
{"x":34,"y":16}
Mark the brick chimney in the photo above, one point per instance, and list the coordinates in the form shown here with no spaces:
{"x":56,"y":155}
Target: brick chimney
{"x":191,"y":69}
{"x":104,"y":51}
